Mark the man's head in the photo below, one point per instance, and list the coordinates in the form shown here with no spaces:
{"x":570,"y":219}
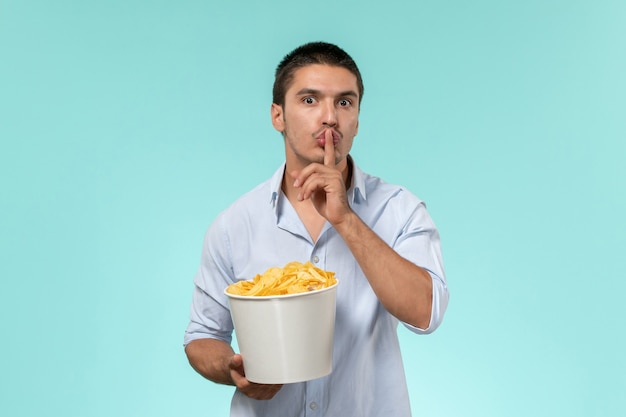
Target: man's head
{"x":308,"y":54}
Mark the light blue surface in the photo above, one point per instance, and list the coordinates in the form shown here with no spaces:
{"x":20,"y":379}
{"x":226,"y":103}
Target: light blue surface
{"x":125,"y":127}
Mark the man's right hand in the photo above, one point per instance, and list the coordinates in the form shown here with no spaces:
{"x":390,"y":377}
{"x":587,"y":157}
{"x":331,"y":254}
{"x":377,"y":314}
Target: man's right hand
{"x":215,"y":360}
{"x":250,"y":389}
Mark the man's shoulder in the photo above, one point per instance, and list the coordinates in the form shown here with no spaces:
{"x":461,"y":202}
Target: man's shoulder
{"x":252,"y":198}
{"x":377,"y":188}
{"x":263,"y":194}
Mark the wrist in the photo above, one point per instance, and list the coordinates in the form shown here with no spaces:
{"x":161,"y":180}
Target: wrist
{"x":348,"y":224}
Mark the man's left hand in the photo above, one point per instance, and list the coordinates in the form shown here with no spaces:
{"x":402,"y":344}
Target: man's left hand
{"x":324,"y":185}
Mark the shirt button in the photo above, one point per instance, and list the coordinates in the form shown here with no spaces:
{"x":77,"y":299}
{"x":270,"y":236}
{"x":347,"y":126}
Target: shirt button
{"x":313,"y":405}
{"x":316,"y":259}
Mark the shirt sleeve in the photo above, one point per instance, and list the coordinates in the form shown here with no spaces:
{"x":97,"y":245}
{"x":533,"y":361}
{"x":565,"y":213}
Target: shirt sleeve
{"x":419,"y":242}
{"x":209,"y":312}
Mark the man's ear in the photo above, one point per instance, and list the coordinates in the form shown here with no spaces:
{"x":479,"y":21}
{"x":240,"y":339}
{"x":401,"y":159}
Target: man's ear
{"x":278,"y":121}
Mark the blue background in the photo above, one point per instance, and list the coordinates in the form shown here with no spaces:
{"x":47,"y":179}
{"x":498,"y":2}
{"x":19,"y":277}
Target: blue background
{"x":126,"y":126}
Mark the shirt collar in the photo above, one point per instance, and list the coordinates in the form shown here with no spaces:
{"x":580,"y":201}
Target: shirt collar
{"x":276,"y":183}
{"x":356,"y":193}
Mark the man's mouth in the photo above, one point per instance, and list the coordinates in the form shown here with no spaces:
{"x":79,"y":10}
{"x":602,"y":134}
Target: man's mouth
{"x":321,"y":137}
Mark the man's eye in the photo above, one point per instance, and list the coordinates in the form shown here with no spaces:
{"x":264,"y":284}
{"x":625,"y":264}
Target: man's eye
{"x":344,"y":103}
{"x":309,"y":100}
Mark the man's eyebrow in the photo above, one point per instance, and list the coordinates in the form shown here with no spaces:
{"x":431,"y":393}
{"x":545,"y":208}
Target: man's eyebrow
{"x":312,"y":91}
{"x":349,"y":93}
{"x":307,"y":91}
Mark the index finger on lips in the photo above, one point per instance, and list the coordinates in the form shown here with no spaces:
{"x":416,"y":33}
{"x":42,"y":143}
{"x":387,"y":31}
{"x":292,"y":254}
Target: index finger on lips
{"x":329,"y":149}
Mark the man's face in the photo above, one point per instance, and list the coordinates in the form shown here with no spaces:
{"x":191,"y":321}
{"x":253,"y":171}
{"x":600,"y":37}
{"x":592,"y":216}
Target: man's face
{"x":321,"y":97}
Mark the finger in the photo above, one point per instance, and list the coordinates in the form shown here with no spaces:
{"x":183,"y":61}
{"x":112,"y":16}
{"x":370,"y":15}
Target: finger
{"x":310,"y":184}
{"x":296,"y":180}
{"x":237,"y":372}
{"x":262,"y":391}
{"x":236,"y":361}
{"x":329,"y":149}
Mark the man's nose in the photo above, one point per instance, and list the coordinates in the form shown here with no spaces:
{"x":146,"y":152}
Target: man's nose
{"x":329,"y":115}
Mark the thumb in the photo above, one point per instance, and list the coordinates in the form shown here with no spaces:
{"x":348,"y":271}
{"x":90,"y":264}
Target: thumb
{"x":236,"y":364}
{"x":236,"y":361}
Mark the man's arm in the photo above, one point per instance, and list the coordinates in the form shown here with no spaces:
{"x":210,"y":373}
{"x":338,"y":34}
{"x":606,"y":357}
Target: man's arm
{"x":211,"y":358}
{"x":216,"y":361}
{"x":404,"y":288}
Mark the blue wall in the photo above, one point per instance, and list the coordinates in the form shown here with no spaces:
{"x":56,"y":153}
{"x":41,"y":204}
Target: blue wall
{"x":126,"y":126}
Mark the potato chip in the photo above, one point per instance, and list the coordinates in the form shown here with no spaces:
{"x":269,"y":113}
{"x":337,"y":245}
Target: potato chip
{"x":293,"y":278}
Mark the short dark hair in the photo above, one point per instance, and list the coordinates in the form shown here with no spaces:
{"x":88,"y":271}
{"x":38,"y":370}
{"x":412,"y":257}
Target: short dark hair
{"x":309,"y":54}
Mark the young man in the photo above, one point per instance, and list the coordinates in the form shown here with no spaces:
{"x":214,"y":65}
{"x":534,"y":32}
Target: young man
{"x":319,"y":206}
